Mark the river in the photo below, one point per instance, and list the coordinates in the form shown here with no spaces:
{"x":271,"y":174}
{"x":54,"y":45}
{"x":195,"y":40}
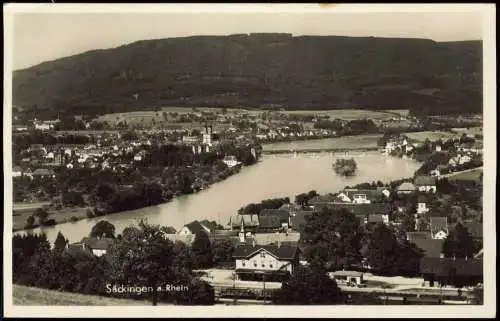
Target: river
{"x":274,"y":176}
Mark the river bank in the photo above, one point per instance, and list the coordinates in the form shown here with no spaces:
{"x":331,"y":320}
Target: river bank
{"x":321,"y":150}
{"x":74,"y":214}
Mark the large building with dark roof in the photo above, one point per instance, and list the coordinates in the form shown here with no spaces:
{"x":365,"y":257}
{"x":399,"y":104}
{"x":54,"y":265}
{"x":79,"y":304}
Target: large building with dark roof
{"x":449,"y":271}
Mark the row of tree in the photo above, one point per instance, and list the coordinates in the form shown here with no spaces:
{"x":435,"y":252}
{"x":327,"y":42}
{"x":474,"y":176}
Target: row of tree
{"x":141,"y":257}
{"x":337,"y":241}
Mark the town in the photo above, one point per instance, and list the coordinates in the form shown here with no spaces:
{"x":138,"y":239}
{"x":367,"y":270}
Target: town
{"x":425,"y":230}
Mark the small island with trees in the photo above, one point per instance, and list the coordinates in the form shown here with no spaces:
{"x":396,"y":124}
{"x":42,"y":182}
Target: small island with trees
{"x":345,"y":167}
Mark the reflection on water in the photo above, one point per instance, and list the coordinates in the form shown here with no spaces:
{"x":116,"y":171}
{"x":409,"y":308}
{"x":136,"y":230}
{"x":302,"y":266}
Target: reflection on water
{"x":275,"y":176}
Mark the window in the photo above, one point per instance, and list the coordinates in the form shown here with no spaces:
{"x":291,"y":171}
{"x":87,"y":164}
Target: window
{"x":271,"y":266}
{"x":255,"y":264}
{"x":262,"y":254}
{"x":263,"y":265}
{"x":243,"y":263}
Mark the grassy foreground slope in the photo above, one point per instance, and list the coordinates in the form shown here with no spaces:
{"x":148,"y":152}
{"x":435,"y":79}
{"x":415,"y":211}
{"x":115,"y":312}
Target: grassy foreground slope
{"x":23,"y":295}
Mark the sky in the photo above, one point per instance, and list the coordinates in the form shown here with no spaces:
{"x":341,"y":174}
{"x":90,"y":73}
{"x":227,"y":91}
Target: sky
{"x":39,"y":37}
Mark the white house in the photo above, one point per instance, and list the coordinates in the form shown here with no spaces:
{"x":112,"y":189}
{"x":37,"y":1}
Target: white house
{"x":16,"y":172}
{"x":422,"y":208}
{"x":347,"y":277}
{"x":230,"y":161}
{"x":98,"y":246}
{"x":43,"y":126}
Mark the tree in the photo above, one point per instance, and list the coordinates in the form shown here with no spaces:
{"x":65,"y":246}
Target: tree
{"x":72,"y":198}
{"x":382,"y":249}
{"x":301,"y":199}
{"x":30,"y":222}
{"x":337,"y":233}
{"x":407,"y":262}
{"x":309,"y":286}
{"x":103,"y":229}
{"x":345,"y":167}
{"x":459,"y":243}
{"x":202,"y":251}
{"x":199,"y":293}
{"x":144,"y":257}
{"x":223,"y":250}
{"x":60,"y":243}
{"x":408,"y":224}
{"x":42,"y":214}
{"x":168,"y":229}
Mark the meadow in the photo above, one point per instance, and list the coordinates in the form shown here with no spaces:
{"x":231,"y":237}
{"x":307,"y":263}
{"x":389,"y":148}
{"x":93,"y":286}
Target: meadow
{"x":471,"y":131}
{"x":469,"y":175}
{"x":431,"y":135}
{"x":341,"y":143}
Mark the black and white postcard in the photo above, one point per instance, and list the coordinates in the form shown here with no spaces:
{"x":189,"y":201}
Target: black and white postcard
{"x":257,"y":160}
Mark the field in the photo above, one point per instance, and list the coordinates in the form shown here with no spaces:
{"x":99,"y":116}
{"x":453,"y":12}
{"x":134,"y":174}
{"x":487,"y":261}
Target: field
{"x":469,"y":175}
{"x":61,"y":216}
{"x":341,"y":143}
{"x":469,"y":131}
{"x":348,"y":114}
{"x":432,"y":135}
{"x":147,"y":117}
{"x":23,"y":295}
{"x":28,"y":206}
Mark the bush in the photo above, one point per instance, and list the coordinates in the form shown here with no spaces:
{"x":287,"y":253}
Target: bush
{"x":30,"y":222}
{"x":73,"y":219}
{"x":50,"y":222}
{"x":90,"y":213}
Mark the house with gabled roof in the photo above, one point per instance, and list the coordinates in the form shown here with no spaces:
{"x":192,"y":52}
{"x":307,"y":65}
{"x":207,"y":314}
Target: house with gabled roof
{"x":379,"y":212}
{"x":272,"y":262}
{"x":439,"y":227}
{"x":418,"y":235}
{"x":426,"y":183}
{"x":406,"y":188}
{"x":98,"y":246}
{"x":283,"y":215}
{"x":269,"y":223}
{"x":450,"y":271}
{"x":249,"y":221}
{"x":422,"y":205}
{"x":430,"y":247}
{"x":298,"y":221}
{"x":17,"y":171}
{"x":44,"y":172}
{"x":358,"y":196}
{"x":194,"y":228}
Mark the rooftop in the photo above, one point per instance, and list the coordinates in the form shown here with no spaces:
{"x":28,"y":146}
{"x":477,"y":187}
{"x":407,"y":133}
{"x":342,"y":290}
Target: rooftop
{"x":438,"y":223}
{"x":282,"y":252}
{"x":425,"y":181}
{"x":447,"y":266}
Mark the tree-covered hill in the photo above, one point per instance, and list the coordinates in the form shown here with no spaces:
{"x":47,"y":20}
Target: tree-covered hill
{"x":258,"y":70}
